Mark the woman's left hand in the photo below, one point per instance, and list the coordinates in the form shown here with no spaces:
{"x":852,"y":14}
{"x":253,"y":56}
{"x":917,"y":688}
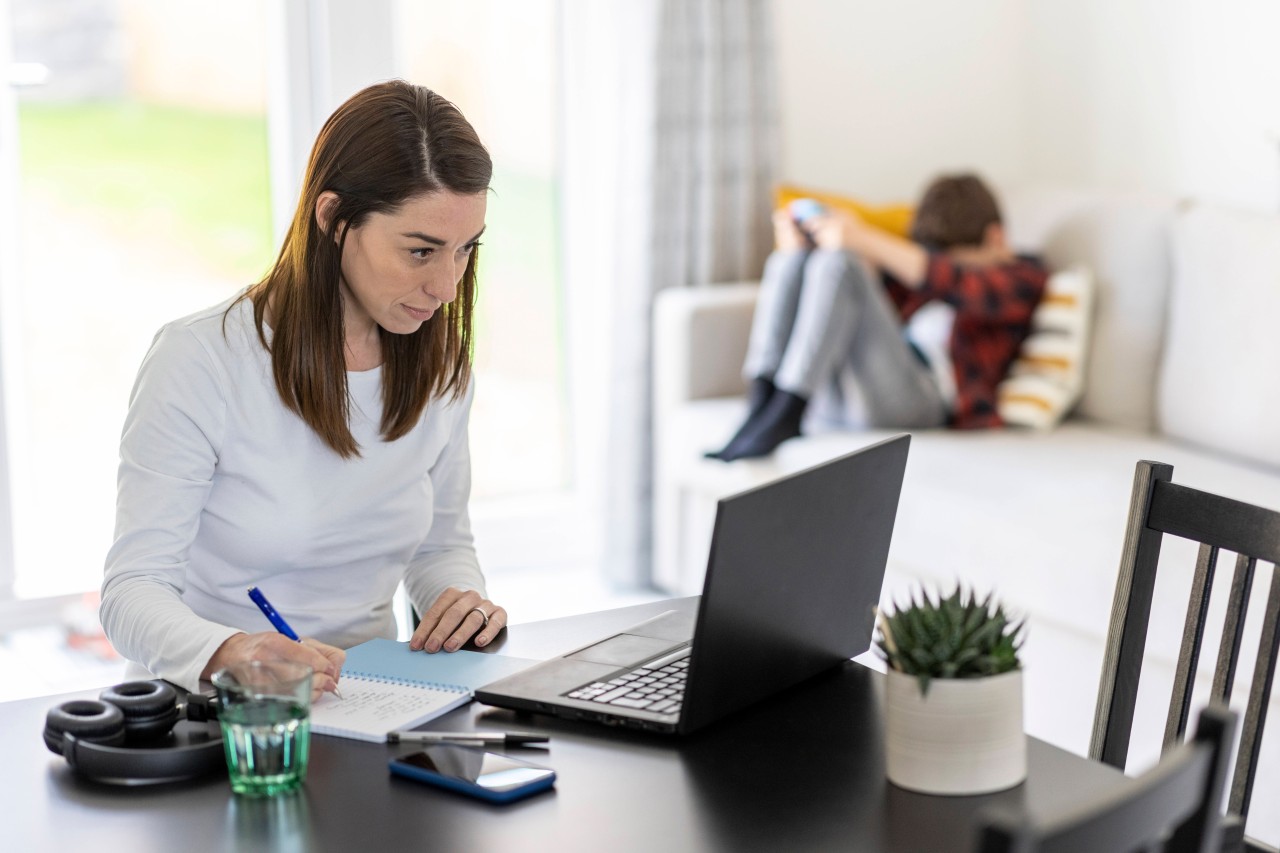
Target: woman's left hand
{"x":454,"y":618}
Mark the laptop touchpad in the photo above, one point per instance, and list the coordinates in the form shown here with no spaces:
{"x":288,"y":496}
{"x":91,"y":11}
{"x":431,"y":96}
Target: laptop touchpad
{"x":623,"y":650}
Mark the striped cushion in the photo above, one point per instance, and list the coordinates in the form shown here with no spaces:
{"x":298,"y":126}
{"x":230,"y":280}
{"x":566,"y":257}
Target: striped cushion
{"x":1047,"y":377}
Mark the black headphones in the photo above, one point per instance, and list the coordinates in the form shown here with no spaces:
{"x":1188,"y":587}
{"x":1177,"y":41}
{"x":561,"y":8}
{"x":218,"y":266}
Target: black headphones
{"x":137,"y":733}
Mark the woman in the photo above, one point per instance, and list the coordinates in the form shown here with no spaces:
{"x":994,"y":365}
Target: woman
{"x":309,"y":436}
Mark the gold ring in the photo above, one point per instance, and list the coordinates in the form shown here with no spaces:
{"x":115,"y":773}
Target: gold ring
{"x":483,"y":615}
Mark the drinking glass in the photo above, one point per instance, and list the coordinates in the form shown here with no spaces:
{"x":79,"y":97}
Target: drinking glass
{"x":265,"y":714}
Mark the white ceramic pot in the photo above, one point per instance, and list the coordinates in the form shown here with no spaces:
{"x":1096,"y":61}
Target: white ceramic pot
{"x":964,"y":737}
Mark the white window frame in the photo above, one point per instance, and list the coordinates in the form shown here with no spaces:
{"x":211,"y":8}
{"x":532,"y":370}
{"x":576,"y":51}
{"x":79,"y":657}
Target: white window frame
{"x":10,"y":323}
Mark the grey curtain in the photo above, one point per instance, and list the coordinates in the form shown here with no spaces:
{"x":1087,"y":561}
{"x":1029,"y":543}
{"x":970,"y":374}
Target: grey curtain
{"x":693,"y":172}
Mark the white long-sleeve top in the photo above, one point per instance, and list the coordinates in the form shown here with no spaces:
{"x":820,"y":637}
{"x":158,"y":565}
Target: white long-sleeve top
{"x":221,"y":488}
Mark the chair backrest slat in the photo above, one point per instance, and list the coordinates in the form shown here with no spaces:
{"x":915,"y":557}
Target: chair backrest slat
{"x":1184,"y":678}
{"x":1224,"y":674}
{"x":1130,"y":613}
{"x":1255,"y":717}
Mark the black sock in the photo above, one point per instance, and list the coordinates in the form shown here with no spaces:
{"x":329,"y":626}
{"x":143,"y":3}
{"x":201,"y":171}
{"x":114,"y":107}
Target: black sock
{"x":759,"y":394}
{"x":764,"y":431}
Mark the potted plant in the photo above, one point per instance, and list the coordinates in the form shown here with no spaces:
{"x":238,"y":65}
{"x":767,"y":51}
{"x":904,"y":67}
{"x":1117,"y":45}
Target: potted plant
{"x":953,"y":698}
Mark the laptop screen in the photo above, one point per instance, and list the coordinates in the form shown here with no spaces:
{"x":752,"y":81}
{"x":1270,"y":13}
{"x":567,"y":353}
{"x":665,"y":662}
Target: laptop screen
{"x":793,"y":577}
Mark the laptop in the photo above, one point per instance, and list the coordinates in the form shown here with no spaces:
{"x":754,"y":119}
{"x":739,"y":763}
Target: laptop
{"x":794,"y":574}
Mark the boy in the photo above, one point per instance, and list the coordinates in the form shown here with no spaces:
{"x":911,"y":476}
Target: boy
{"x":877,"y":331}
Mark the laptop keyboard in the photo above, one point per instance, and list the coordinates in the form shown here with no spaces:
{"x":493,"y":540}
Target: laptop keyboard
{"x":659,"y":690}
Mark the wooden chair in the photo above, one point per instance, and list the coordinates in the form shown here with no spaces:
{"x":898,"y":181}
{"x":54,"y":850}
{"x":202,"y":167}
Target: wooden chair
{"x":1172,"y":807}
{"x":1160,"y":507}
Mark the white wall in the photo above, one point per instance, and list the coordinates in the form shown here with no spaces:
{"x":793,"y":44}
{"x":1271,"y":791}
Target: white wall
{"x":1179,"y":96}
{"x":877,"y":96}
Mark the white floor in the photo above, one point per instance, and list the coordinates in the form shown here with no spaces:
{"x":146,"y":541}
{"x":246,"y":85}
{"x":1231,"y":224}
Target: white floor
{"x":57,"y":659}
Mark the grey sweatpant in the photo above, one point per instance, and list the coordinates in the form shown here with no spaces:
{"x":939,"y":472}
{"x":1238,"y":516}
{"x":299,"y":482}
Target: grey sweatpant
{"x":825,"y":329}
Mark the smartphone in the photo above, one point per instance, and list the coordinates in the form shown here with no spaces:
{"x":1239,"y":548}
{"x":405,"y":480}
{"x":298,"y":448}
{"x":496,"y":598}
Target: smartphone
{"x":802,"y":211}
{"x":488,"y":775}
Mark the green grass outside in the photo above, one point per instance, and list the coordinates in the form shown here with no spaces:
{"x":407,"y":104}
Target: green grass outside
{"x":522,"y":243}
{"x":195,"y":178}
{"x":149,"y":175}
{"x":199,"y":180}
{"x":520,"y":225}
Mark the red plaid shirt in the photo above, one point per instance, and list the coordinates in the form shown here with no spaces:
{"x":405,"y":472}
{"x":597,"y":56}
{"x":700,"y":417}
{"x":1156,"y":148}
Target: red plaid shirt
{"x":993,"y":315}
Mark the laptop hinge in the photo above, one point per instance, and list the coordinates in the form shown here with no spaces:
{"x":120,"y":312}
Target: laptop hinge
{"x":658,"y":663}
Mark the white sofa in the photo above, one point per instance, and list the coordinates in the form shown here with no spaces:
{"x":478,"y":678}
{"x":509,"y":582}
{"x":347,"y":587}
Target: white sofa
{"x":1181,"y":370}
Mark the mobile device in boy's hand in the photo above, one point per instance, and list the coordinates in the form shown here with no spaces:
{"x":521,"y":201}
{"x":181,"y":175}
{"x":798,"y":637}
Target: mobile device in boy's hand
{"x":802,"y":211}
{"x":474,"y":772}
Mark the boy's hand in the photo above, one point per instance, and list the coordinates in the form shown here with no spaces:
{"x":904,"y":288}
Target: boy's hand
{"x":787,"y":234}
{"x":837,"y":229}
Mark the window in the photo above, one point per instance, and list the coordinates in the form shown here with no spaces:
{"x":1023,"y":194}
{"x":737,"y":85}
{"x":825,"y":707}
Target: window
{"x":145,"y":193}
{"x":495,"y":60}
{"x":143,"y":196}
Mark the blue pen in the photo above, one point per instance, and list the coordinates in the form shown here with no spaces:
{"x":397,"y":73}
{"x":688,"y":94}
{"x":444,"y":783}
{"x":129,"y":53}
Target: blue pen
{"x":256,"y":596}
{"x":268,"y":611}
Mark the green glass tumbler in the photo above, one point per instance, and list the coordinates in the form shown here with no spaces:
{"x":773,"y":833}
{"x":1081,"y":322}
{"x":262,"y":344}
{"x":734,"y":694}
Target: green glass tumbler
{"x":265,"y":714}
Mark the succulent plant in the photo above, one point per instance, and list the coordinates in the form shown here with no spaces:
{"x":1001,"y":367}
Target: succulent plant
{"x":953,"y":637}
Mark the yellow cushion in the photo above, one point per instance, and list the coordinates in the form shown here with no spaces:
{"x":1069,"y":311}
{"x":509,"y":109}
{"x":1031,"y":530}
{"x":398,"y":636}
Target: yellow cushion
{"x":894,"y":218}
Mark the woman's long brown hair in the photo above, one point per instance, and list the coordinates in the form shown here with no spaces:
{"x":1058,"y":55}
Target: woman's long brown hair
{"x":390,"y":142}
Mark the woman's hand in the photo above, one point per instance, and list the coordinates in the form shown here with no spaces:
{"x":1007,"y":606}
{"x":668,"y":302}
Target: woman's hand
{"x":455,"y":618}
{"x":326,"y":660}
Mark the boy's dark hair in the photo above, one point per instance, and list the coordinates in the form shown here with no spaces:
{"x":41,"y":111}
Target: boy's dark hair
{"x":954,"y":211}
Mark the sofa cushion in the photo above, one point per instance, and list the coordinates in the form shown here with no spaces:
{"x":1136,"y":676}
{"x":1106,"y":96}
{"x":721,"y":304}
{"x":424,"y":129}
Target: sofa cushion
{"x":1217,"y":387}
{"x":1039,"y":516}
{"x":1047,"y":377}
{"x":1123,"y":239}
{"x":894,"y":218}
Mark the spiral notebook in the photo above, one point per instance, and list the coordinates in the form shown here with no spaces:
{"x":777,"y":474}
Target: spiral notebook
{"x":386,"y":687}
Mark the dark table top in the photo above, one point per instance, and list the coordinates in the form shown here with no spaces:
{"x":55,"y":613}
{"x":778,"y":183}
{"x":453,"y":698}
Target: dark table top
{"x":802,"y":771}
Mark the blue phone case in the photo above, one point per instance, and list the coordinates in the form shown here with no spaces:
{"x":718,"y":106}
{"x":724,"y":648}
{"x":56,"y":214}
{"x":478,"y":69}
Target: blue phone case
{"x":804,"y":209}
{"x":463,"y":786}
